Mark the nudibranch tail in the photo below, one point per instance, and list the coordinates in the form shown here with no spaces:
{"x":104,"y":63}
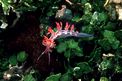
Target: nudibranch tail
{"x":84,"y":35}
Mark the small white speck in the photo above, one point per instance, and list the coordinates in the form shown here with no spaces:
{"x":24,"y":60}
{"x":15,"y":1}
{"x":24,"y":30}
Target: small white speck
{"x":76,"y":68}
{"x":4,"y":25}
{"x":8,"y":75}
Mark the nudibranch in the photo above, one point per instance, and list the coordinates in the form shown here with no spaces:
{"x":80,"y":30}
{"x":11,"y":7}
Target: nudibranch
{"x":49,"y":39}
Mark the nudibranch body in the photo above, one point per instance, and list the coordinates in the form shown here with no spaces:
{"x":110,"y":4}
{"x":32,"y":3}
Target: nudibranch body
{"x":49,"y":43}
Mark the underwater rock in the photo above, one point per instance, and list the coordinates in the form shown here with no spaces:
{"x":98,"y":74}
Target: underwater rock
{"x":64,"y":13}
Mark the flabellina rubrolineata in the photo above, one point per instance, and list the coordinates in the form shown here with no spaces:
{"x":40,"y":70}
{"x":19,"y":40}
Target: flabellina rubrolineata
{"x":49,"y":40}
